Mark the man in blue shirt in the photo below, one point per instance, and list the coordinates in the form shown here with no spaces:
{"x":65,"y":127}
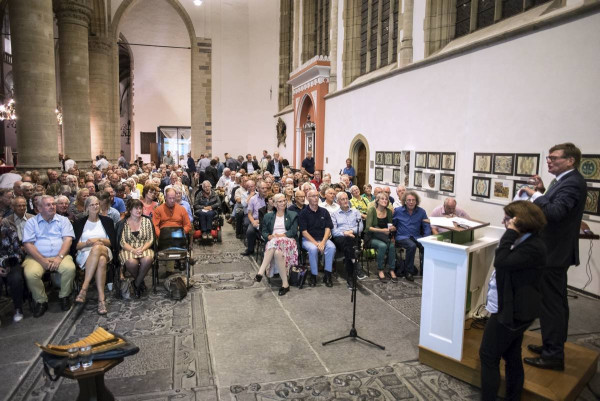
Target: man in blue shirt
{"x":347,"y":226}
{"x":47,"y":239}
{"x":315,"y":225}
{"x":115,"y":202}
{"x":410,"y":225}
{"x":349,"y":171}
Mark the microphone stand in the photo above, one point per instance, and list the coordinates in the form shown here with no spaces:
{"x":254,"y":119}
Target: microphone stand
{"x":353,"y":332}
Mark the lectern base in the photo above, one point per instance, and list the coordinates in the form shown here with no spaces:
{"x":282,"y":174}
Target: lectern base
{"x":580,"y":366}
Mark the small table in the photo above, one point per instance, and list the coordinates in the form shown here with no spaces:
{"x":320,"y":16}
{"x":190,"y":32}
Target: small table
{"x":91,"y":380}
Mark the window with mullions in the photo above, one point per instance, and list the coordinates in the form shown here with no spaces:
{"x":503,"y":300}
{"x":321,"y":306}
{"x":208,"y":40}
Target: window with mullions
{"x":315,"y":40}
{"x":378,"y":33}
{"x":463,"y":17}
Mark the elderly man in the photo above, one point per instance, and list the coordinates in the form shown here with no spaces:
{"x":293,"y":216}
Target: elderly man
{"x":116,"y":202}
{"x":316,"y":181}
{"x":62,"y":205}
{"x":170,"y":214}
{"x":448,"y":209}
{"x":347,"y":226}
{"x":400,"y":190}
{"x":225,"y":180}
{"x":90,"y":186}
{"x":329,"y":202}
{"x":251,"y":220}
{"x":410,"y":224}
{"x":299,"y":202}
{"x":168,"y":159}
{"x":205,"y":209}
{"x":275,"y":167}
{"x":47,"y":239}
{"x":308,"y":164}
{"x":6,"y":198}
{"x":28,"y":191}
{"x":315,"y":225}
{"x":20,"y":216}
{"x":250,"y":165}
{"x":179,"y":199}
{"x":562,"y":202}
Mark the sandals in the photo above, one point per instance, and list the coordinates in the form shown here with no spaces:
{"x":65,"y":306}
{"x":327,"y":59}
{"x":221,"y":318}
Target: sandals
{"x":102,"y":308}
{"x":80,"y":299}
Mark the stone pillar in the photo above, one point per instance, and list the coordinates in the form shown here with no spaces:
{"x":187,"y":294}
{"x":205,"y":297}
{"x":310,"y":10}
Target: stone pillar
{"x":32,"y":29}
{"x":73,"y":18}
{"x":100,"y":72}
{"x":406,"y":45}
{"x":333,"y":50}
{"x":202,"y":138}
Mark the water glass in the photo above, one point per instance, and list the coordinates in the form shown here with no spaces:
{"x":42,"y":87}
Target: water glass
{"x":73,"y":359}
{"x":85,"y":356}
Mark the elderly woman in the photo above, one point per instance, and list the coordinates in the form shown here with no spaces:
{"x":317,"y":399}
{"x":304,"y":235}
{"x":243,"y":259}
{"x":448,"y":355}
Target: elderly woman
{"x":358,"y":202}
{"x":77,"y":208}
{"x":95,"y":238}
{"x":205,"y":208}
{"x":149,"y":199}
{"x":135,"y":236}
{"x":513,"y":298}
{"x":11,"y":256}
{"x":288,"y":191}
{"x":280,"y":230}
{"x":368,"y":192}
{"x":379,"y":226}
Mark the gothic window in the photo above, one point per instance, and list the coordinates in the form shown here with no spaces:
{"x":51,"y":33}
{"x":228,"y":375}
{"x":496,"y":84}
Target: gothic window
{"x":378,"y":34}
{"x":286,"y":24}
{"x":315,"y":38}
{"x":463,"y":17}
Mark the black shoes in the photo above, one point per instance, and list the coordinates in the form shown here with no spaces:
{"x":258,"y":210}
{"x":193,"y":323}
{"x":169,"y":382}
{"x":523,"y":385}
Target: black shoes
{"x":247,"y":253}
{"x":284,"y":290}
{"x":65,"y":303}
{"x":382,"y":279}
{"x":536,"y":349}
{"x":349,"y":283}
{"x":258,"y":278}
{"x":327,"y":279}
{"x":312,"y":280}
{"x":554,"y":364}
{"x":409,"y":277}
{"x":39,"y":309}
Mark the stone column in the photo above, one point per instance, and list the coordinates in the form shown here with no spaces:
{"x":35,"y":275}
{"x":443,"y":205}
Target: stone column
{"x":333,"y":50}
{"x":100,"y":72}
{"x":202,"y":139}
{"x":73,"y":18}
{"x":31,"y":26}
{"x":406,"y":46}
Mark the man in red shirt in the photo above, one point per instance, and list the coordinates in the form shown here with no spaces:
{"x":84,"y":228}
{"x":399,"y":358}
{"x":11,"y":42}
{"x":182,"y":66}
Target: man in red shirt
{"x":170,"y":214}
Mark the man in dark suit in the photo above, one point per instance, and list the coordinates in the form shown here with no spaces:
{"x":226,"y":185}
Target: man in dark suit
{"x":250,"y":165}
{"x":562,"y":202}
{"x":275,"y":167}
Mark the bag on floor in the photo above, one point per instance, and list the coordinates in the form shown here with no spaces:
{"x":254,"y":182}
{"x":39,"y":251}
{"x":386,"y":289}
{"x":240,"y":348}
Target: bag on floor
{"x":176,"y":288}
{"x":298,"y":276}
{"x":126,"y":288}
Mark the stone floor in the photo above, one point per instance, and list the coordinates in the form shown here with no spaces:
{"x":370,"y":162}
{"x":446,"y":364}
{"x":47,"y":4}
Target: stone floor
{"x":233,"y":339}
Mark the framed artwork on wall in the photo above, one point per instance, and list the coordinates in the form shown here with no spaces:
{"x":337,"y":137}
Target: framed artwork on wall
{"x":418,"y":182}
{"x":448,"y":161}
{"x":501,"y":190}
{"x":481,"y":187}
{"x":517,"y":185}
{"x":482,"y":163}
{"x":504,"y":163}
{"x":388,"y":158}
{"x":527,"y":164}
{"x":378,"y":173}
{"x":397,"y":176}
{"x":397,"y":158}
{"x":447,"y":182}
{"x":378,"y":157}
{"x":310,"y":143}
{"x":592,"y":206}
{"x":433,"y":160}
{"x":590,"y":167}
{"x":430,"y":181}
{"x":421,"y":160}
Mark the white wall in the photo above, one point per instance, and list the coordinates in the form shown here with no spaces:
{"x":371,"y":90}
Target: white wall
{"x":161,"y":76}
{"x":522,"y":95}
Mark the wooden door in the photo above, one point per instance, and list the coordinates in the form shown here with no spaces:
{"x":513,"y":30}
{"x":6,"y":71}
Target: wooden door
{"x":362,"y":164}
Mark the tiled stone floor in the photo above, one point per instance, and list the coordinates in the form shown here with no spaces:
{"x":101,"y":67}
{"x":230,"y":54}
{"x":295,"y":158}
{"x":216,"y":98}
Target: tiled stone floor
{"x":233,"y":339}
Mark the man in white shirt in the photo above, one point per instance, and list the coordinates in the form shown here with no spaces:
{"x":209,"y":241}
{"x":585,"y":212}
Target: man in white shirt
{"x":400,"y":190}
{"x":19,"y":217}
{"x":329,"y":202}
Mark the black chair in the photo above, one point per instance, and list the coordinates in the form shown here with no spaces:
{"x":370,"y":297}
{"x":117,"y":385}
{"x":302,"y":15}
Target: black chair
{"x":173,"y":245}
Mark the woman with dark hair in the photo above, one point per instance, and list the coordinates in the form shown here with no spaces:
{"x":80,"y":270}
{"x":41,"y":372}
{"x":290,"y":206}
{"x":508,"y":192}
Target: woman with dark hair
{"x":135,"y":237}
{"x":94,"y":241}
{"x":149,"y":202}
{"x":378,"y":227}
{"x":513,"y":298}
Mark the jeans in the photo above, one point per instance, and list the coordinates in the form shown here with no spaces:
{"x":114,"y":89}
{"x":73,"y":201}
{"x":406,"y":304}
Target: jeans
{"x":313,"y":255}
{"x":205,"y":219}
{"x":500,"y":341}
{"x":383,"y":248}
{"x":411,"y":250}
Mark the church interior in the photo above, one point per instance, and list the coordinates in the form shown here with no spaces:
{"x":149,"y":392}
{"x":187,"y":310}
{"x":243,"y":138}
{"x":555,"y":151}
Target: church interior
{"x":450,"y":98}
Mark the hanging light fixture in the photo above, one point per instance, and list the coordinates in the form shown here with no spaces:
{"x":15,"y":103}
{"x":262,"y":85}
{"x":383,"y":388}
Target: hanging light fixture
{"x":197,"y":3}
{"x":59,"y":116}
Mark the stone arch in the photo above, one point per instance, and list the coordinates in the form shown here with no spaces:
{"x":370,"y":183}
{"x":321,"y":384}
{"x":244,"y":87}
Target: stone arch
{"x":361,"y":166}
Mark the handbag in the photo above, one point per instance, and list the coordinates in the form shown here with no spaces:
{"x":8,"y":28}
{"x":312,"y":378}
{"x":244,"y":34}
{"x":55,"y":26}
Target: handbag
{"x":126,"y":288}
{"x":298,"y":276}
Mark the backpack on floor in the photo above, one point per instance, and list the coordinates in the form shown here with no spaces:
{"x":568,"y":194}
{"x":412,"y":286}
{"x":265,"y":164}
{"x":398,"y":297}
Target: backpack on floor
{"x":176,"y":288}
{"x":298,"y":276}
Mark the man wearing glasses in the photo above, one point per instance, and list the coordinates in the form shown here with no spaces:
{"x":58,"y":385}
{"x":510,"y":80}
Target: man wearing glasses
{"x":563,"y":202}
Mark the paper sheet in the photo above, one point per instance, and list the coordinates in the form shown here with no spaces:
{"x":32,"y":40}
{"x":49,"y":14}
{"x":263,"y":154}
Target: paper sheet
{"x":441,"y":222}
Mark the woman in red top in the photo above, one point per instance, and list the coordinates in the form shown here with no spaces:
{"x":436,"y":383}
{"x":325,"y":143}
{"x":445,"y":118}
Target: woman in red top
{"x":148,"y":199}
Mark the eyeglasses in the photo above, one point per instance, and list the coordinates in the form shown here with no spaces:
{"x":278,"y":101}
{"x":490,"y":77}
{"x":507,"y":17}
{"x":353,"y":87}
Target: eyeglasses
{"x":555,"y":158}
{"x":506,"y":219}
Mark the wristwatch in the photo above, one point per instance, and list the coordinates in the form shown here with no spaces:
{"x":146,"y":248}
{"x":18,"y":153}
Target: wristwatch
{"x":61,"y":256}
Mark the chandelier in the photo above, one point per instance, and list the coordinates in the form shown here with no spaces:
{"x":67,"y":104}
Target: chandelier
{"x":7,"y":111}
{"x":59,"y":116}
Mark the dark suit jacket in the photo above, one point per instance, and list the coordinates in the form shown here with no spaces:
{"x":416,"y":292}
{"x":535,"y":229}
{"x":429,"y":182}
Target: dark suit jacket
{"x":563,"y":206}
{"x":518,"y":273}
{"x":290,"y":220}
{"x":108,"y":225}
{"x":271,"y":167}
{"x":254,"y":164}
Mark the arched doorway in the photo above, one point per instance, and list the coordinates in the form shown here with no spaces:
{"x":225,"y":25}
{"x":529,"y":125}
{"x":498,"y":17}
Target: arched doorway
{"x":359,"y":153}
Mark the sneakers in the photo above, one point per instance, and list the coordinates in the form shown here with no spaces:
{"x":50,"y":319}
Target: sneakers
{"x":18,"y":315}
{"x":349,"y":283}
{"x":361,"y":275}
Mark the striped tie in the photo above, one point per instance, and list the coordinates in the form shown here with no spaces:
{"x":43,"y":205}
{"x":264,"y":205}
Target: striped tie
{"x":552,"y":183}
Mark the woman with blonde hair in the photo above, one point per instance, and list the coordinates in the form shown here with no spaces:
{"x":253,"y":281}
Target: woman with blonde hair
{"x":77,"y":208}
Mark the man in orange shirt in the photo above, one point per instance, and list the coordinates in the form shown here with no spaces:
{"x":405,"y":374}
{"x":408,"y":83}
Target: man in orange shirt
{"x":170,"y":214}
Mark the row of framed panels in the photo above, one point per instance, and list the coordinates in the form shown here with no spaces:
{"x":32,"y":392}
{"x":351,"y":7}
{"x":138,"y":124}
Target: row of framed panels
{"x":392,"y":158}
{"x":507,"y":164}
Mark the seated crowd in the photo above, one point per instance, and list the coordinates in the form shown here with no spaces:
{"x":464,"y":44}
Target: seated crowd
{"x":111,"y":214}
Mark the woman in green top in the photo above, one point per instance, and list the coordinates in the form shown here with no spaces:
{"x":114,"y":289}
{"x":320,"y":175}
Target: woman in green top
{"x":379,"y":227}
{"x":358,"y":202}
{"x":368,"y":192}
